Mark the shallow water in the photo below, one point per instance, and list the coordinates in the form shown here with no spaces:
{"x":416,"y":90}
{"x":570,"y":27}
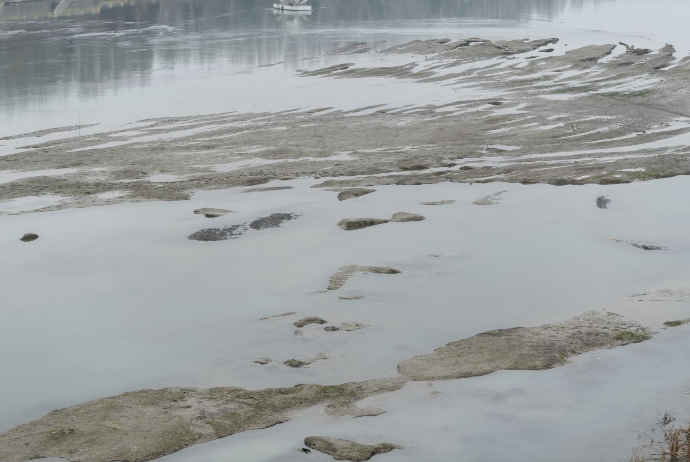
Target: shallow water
{"x":126,"y":301}
{"x":103,"y":62}
{"x":116,"y":298}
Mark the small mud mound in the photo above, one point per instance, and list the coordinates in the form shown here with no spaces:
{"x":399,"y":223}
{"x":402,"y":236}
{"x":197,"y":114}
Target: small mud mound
{"x":352,"y":224}
{"x":648,"y":247}
{"x":267,"y":188}
{"x":677,"y":323}
{"x":353,"y":193}
{"x":346,"y":272}
{"x":662,"y":295}
{"x":308,"y":320}
{"x":297,"y":363}
{"x":525,"y":348}
{"x":640,"y":245}
{"x":272,"y":221}
{"x":289,"y":313}
{"x":212,"y":213}
{"x":491,"y":199}
{"x":347,"y":450}
{"x":347,"y":326}
{"x":29,"y":237}
{"x":446,"y":202}
{"x":603,"y":202}
{"x":402,"y":217}
{"x":351,"y":297}
{"x":219,"y":234}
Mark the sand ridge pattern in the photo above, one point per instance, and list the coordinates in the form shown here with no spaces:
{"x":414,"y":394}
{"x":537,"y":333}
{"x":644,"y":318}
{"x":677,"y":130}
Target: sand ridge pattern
{"x":524,"y":136}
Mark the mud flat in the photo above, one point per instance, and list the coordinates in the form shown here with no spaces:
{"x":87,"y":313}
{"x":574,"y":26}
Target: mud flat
{"x":526,"y":348}
{"x":626,"y":120}
{"x":146,"y":424}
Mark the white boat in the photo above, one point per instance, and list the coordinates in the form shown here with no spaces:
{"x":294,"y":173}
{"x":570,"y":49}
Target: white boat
{"x":292,"y":5}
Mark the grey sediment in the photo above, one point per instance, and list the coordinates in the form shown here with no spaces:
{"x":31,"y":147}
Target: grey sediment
{"x":351,"y":224}
{"x":404,"y":146}
{"x":308,"y":320}
{"x":591,"y":144}
{"x":347,"y":450}
{"x":147,"y":424}
{"x":346,"y":272}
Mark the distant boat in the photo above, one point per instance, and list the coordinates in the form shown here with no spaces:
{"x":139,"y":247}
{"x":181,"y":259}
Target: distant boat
{"x":292,"y":5}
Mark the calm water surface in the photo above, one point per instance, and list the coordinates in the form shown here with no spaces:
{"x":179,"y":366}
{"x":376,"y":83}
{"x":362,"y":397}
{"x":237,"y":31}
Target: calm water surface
{"x":100,"y":61}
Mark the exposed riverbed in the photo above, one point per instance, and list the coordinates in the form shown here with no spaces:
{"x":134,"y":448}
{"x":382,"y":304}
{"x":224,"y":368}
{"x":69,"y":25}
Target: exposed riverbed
{"x":513,"y":183}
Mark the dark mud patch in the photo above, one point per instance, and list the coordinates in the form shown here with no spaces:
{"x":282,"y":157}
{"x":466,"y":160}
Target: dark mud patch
{"x":603,"y":202}
{"x":211,"y":212}
{"x":641,"y":245}
{"x":308,"y":320}
{"x":353,"y":224}
{"x":648,"y":247}
{"x":29,"y":237}
{"x":347,"y":450}
{"x":219,"y":234}
{"x":272,"y":221}
{"x":677,"y":323}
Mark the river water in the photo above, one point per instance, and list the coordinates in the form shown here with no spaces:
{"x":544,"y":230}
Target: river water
{"x":108,"y":62}
{"x":115,"y":298}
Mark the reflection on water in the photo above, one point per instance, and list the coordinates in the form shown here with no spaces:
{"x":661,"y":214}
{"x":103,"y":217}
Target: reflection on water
{"x":51,"y":49}
{"x":56,"y":56}
{"x":340,"y":10}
